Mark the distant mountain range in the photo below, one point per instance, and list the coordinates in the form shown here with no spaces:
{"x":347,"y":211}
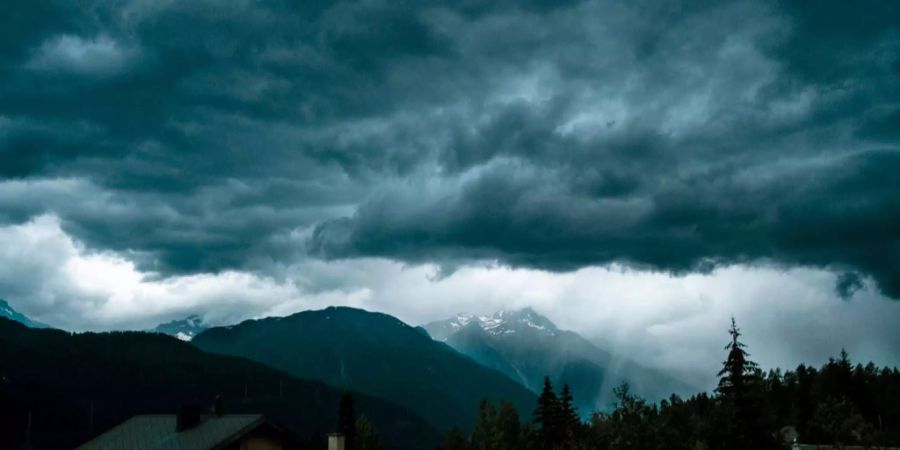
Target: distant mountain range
{"x":452,"y":363}
{"x":8,"y":312}
{"x":184,"y":329}
{"x":70,"y":387}
{"x":527,"y":346}
{"x":372,"y":353}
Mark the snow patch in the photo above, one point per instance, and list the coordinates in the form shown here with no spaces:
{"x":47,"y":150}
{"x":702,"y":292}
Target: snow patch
{"x":186,"y":337}
{"x":506,"y":322}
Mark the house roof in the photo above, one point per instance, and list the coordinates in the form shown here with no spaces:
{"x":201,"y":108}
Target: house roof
{"x":151,"y":432}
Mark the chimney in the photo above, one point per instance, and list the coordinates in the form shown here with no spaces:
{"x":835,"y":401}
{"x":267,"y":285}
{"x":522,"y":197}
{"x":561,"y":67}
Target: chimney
{"x":188,"y":418}
{"x":336,"y":441}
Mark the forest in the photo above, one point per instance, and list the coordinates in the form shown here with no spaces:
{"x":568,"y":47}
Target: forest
{"x":837,"y":404}
{"x":75,"y":386}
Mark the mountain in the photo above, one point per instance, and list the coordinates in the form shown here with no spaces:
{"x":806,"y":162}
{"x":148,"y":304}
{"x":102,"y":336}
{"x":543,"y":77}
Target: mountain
{"x":73,"y":386}
{"x":8,"y":312}
{"x":184,"y":329}
{"x":527,"y":346}
{"x":372,"y":353}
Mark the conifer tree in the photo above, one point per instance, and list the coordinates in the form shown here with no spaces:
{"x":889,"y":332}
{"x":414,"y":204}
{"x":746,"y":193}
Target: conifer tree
{"x":737,"y":391}
{"x":546,"y":416}
{"x":632,"y":424}
{"x":484,"y":432}
{"x":508,"y":428}
{"x":568,"y":418}
{"x":346,"y":423}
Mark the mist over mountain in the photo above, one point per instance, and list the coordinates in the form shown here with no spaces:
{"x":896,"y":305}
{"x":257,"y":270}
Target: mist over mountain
{"x":527,"y":346}
{"x":184,"y":329}
{"x":373,"y":353}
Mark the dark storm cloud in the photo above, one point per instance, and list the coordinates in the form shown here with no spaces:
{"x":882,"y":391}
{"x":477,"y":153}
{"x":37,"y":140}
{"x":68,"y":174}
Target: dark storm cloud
{"x":848,"y":284}
{"x":200,"y":136}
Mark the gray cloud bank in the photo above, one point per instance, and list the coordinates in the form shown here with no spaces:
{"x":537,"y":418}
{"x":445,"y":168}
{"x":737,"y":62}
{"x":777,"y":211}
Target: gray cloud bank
{"x":200,"y":137}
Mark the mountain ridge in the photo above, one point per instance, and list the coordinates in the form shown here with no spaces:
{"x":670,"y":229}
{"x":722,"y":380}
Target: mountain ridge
{"x":183,"y":329}
{"x":7,"y":311}
{"x":527,"y":346}
{"x":66,"y":378}
{"x":374,"y":353}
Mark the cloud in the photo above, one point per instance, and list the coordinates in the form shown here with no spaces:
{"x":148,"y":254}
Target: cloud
{"x":713,"y":147}
{"x":673,"y":323}
{"x":101,"y":56}
{"x":273,"y":154}
{"x":848,"y":284}
{"x":834,"y":212}
{"x":51,"y":276}
{"x":672,"y":138}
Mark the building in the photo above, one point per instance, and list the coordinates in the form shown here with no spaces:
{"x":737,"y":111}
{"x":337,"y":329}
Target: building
{"x":189,"y":430}
{"x":336,"y":441}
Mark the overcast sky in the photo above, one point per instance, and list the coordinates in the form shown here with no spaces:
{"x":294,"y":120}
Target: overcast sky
{"x":638,"y":171}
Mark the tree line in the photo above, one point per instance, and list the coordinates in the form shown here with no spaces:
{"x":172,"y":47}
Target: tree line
{"x":836,"y":404}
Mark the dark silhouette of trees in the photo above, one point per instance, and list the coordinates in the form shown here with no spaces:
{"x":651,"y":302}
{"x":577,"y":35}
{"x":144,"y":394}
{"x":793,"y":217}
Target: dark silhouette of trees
{"x":497,"y":428}
{"x":837,"y":404}
{"x":366,"y":435}
{"x":455,"y":440}
{"x":739,"y":388}
{"x":632,"y":423}
{"x":346,"y":420}
{"x":838,"y":421}
{"x":6,"y":412}
{"x":569,"y":422}
{"x":507,"y":427}
{"x":547,"y":417}
{"x":484,"y":433}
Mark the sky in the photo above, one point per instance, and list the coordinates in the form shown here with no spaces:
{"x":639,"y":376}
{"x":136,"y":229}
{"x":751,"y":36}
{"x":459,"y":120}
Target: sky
{"x":638,"y":171}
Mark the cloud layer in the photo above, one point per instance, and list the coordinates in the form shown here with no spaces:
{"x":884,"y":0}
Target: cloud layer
{"x":639,"y":171}
{"x":553,"y":135}
{"x":674,"y":323}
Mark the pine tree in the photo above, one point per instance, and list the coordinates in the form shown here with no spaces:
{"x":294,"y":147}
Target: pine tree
{"x":737,"y":367}
{"x":737,"y":391}
{"x":346,"y":423}
{"x":546,"y":416}
{"x":568,"y":418}
{"x":484,"y":432}
{"x":632,"y":424}
{"x":508,"y":429}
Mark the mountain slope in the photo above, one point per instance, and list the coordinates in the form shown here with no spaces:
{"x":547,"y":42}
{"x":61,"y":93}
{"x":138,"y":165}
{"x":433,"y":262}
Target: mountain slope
{"x":184,"y":329}
{"x":527,"y":346}
{"x":373,"y":353}
{"x":8,"y":312}
{"x":59,"y":378}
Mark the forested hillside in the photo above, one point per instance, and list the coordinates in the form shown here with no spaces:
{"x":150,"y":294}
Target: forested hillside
{"x":73,"y":386}
{"x":373,"y":353}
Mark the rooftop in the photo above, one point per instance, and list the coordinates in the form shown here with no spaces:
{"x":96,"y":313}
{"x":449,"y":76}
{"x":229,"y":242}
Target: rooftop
{"x":149,"y":432}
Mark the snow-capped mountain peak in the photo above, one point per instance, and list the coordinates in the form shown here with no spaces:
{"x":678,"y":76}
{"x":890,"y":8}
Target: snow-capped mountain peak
{"x":462,"y":319}
{"x":501,"y":323}
{"x":184,"y":329}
